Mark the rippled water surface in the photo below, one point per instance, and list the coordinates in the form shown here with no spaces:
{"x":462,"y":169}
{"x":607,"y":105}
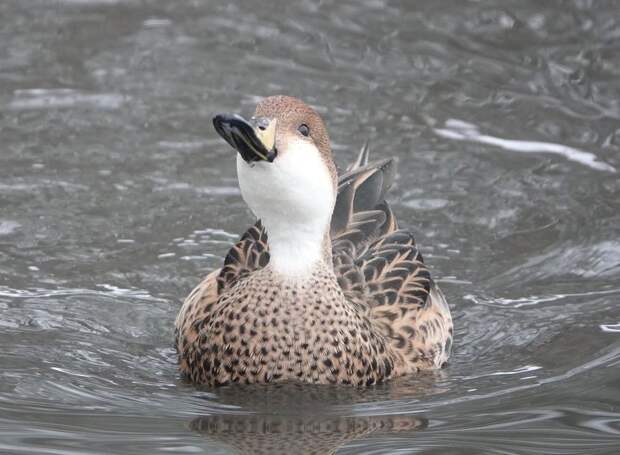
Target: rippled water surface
{"x":116,"y":196}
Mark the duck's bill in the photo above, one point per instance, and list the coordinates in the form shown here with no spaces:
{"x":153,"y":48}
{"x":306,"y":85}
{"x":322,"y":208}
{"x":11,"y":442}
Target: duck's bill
{"x":252,"y":143}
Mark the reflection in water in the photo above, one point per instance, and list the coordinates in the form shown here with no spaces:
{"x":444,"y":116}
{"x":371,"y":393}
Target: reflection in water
{"x":299,"y":418}
{"x":280,"y":434}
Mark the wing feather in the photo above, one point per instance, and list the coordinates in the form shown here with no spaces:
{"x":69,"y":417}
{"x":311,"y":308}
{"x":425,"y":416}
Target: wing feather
{"x":381,"y":270}
{"x":371,"y":255}
{"x":250,"y":253}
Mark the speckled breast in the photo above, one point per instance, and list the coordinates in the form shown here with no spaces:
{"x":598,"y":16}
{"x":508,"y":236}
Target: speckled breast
{"x":266,"y":330}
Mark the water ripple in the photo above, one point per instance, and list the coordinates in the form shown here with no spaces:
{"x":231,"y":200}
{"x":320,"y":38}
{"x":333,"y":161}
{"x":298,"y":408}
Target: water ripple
{"x":463,"y":131}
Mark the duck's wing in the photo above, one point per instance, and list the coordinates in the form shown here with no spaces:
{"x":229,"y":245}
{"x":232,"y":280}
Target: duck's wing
{"x":380,"y":268}
{"x":248,"y":254}
{"x":371,"y":255}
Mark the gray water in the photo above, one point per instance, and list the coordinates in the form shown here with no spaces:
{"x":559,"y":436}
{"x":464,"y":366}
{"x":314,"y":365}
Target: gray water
{"x":116,"y":197}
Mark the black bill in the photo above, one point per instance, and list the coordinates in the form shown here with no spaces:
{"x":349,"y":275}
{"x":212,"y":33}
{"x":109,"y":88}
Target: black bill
{"x":253,"y":143}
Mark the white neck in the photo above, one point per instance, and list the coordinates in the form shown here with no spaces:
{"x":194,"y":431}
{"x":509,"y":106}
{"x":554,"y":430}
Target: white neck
{"x":295,"y":250}
{"x":294,"y":197}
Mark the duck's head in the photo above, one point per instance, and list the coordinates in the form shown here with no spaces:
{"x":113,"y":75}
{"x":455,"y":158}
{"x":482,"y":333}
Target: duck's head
{"x":287,"y":177}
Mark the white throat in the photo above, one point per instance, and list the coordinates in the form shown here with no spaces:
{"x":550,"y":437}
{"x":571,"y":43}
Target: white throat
{"x":294,"y":197}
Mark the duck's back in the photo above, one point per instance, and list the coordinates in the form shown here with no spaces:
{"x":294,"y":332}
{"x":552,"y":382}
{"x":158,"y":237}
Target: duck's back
{"x":377,"y":314}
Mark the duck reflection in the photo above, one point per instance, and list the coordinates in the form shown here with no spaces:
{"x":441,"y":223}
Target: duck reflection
{"x":297,"y":418}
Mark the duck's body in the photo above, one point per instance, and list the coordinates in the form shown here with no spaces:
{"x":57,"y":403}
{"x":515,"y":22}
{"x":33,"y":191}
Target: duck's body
{"x":330,"y":291}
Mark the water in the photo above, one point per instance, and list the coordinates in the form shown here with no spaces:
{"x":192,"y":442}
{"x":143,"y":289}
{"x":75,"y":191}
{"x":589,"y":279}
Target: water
{"x":116,"y":196}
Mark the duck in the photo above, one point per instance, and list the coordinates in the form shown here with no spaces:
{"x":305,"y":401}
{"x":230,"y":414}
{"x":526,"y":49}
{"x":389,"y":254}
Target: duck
{"x":324,"y":287}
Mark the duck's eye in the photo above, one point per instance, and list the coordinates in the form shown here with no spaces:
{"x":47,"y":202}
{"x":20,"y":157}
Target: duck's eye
{"x":304,"y":130}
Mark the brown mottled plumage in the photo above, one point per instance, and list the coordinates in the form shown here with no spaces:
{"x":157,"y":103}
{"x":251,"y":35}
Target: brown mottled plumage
{"x":366,"y":311}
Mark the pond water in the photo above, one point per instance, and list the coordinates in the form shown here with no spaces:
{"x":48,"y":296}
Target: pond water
{"x":116,"y":197}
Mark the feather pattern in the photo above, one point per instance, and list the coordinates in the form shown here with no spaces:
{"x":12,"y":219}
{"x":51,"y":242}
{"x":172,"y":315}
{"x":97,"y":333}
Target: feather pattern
{"x":250,"y":253}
